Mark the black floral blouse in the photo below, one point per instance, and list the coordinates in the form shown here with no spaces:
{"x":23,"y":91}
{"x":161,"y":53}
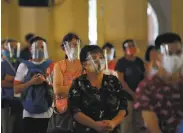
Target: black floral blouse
{"x":98,"y":104}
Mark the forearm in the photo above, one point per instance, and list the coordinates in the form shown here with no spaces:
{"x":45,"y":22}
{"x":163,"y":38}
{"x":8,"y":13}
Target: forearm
{"x":6,"y":84}
{"x":126,"y":87}
{"x":61,"y":89}
{"x":154,"y":130}
{"x":84,"y":120}
{"x":18,"y":88}
{"x":119,"y":117}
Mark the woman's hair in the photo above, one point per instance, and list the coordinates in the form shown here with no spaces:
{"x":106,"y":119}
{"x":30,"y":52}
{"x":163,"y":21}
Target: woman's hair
{"x":89,"y":49}
{"x":148,"y":51}
{"x":110,"y":46}
{"x":68,"y":37}
{"x":37,"y":38}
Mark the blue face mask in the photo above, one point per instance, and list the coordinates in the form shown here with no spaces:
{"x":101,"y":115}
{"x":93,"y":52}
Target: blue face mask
{"x":5,"y":53}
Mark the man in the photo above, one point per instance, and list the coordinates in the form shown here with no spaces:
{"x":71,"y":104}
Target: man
{"x":31,"y":82}
{"x":159,"y":97}
{"x":25,"y":53}
{"x":130,"y":70}
{"x":11,"y":108}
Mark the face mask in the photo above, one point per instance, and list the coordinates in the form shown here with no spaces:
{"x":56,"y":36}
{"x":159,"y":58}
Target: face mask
{"x":73,"y":54}
{"x":131,"y":51}
{"x":153,"y":71}
{"x":97,"y":67}
{"x":172,"y":64}
{"x":5,"y":53}
{"x":110,"y":57}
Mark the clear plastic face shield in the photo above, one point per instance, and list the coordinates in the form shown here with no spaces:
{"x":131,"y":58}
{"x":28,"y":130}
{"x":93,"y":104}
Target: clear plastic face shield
{"x":95,"y":62}
{"x":172,"y":57}
{"x":72,"y":50}
{"x":10,"y":50}
{"x":109,"y":53}
{"x":131,"y":48}
{"x":39,"y":50}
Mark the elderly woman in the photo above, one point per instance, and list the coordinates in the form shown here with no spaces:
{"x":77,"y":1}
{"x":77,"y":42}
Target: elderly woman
{"x":96,"y":100}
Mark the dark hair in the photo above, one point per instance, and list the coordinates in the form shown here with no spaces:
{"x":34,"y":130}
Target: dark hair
{"x":29,"y":36}
{"x":110,"y":46}
{"x":8,"y":40}
{"x":127,"y":41}
{"x":68,"y":37}
{"x":168,"y":37}
{"x":147,"y":53}
{"x":36,"y":38}
{"x":89,"y":48}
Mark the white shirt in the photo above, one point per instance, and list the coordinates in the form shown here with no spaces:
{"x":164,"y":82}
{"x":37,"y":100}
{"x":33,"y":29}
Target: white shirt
{"x":20,"y":76}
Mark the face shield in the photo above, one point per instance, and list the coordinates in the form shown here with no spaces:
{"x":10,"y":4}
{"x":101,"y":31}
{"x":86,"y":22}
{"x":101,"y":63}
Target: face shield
{"x":109,"y":53}
{"x":171,"y":57}
{"x":11,"y":50}
{"x":72,"y":50}
{"x":39,"y":50}
{"x":131,"y":48}
{"x":95,"y":62}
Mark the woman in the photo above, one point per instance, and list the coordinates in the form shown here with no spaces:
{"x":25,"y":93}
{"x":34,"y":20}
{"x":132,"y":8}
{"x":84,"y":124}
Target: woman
{"x":150,"y":59}
{"x":110,"y":55}
{"x":64,"y":72}
{"x":96,"y":99}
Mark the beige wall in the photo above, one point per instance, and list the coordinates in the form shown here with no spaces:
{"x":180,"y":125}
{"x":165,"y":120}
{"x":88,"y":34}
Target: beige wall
{"x":122,"y":19}
{"x":52,"y":23}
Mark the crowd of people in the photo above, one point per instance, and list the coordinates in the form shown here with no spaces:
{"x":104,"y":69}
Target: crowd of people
{"x":91,"y":91}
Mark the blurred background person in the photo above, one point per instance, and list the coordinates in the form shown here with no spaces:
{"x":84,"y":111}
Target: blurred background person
{"x":150,"y":61}
{"x":160,"y":97}
{"x":111,"y":55}
{"x":97,"y":101}
{"x":65,"y":71}
{"x":25,"y":52}
{"x":130,"y":70}
{"x":11,"y":108}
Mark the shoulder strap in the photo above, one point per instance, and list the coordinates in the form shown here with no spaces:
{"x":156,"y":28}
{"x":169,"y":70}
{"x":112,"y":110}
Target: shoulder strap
{"x":29,"y":64}
{"x":45,"y":64}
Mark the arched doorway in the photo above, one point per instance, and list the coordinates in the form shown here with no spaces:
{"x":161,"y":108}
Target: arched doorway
{"x":153,"y":25}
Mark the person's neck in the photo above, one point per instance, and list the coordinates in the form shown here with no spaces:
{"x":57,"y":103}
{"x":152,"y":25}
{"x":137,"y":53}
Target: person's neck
{"x":130,"y":57}
{"x":37,"y":60}
{"x":93,"y":77}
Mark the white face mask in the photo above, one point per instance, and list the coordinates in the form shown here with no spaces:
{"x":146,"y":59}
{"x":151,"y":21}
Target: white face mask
{"x":95,"y":67}
{"x":110,"y":57}
{"x":172,"y":64}
{"x":153,"y":71}
{"x":73,"y":54}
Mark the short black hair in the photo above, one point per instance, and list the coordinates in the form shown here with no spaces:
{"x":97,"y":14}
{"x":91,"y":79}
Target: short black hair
{"x":89,"y":48}
{"x":127,"y":41}
{"x":29,"y":36}
{"x":147,"y":53}
{"x":110,"y":46}
{"x":36,"y":38}
{"x":168,"y":37}
{"x":68,"y":37}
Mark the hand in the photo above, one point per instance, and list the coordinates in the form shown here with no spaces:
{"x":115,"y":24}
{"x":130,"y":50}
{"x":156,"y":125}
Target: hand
{"x":133,"y":95}
{"x":111,"y":124}
{"x":37,"y":79}
{"x":102,"y":127}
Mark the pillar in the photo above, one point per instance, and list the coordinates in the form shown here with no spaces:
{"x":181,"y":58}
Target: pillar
{"x":122,"y":19}
{"x":177,"y":17}
{"x":70,"y":16}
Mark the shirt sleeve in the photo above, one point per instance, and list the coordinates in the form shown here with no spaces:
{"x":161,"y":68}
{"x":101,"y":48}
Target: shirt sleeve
{"x":75,"y":97}
{"x":120,"y":66}
{"x":3,"y":70}
{"x":144,"y":97}
{"x":142,"y":65}
{"x":21,"y":73}
{"x":121,"y":96}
